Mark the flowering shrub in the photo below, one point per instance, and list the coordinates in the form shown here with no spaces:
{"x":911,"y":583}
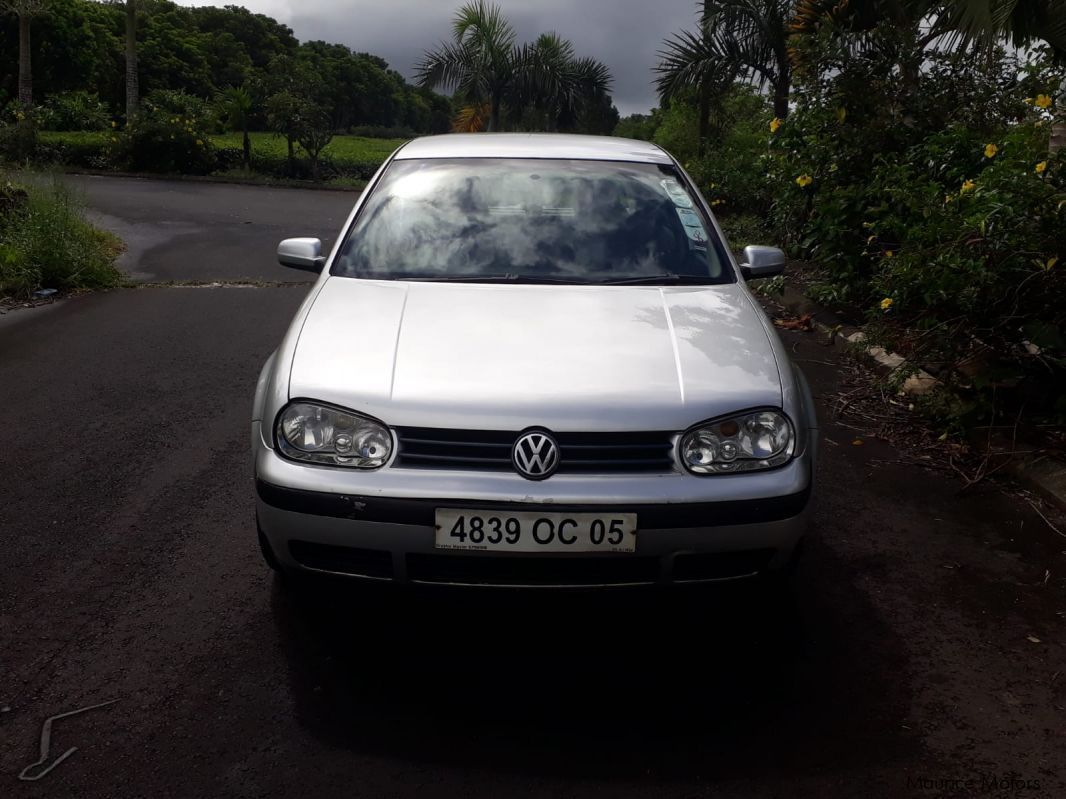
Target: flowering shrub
{"x":79,"y":110}
{"x":18,"y":133}
{"x":930,"y":201}
{"x":160,"y":140}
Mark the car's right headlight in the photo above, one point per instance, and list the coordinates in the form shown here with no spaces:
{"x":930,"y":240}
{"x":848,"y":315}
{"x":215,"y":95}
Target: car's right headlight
{"x":314,"y":433}
{"x":744,"y":443}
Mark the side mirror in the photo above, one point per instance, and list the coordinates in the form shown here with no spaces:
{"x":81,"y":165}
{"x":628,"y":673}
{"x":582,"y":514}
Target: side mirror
{"x":762,"y":261}
{"x":303,"y":254}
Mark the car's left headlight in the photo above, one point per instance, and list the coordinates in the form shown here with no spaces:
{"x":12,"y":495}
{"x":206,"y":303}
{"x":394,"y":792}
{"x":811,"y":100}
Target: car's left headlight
{"x":744,"y":443}
{"x":307,"y":431}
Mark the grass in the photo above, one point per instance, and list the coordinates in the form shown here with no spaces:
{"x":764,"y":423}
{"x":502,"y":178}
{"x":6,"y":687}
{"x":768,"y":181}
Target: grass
{"x":358,"y":149}
{"x":45,"y":242}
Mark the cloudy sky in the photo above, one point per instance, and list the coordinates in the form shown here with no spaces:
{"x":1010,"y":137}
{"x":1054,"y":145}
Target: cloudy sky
{"x":624,"y":34}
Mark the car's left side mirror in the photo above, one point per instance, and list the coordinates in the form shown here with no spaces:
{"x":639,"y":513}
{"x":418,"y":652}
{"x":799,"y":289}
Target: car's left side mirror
{"x":303,"y":254}
{"x":762,"y":261}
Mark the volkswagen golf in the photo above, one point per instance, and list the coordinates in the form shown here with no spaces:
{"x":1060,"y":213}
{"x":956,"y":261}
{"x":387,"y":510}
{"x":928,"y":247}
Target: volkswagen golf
{"x":532,"y":361}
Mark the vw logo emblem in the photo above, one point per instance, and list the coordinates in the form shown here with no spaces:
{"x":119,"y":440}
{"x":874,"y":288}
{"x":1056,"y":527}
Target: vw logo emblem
{"x":535,"y":455}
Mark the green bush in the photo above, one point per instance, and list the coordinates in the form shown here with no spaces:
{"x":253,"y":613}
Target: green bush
{"x":733,"y":172}
{"x":933,"y":206}
{"x":18,"y":134}
{"x":162,"y":140}
{"x":46,"y":242}
{"x":74,"y":111}
{"x":968,"y":266}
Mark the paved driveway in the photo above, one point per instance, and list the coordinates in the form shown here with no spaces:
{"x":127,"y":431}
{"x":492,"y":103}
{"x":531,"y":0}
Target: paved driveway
{"x":923,"y":647}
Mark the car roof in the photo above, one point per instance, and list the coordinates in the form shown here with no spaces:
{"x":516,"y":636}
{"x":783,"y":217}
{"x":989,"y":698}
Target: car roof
{"x":533,"y":145}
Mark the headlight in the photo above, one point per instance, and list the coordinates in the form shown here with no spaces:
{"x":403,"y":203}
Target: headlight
{"x":333,"y":437}
{"x":745,"y":443}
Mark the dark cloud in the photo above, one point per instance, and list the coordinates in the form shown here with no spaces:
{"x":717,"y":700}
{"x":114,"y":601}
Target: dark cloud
{"x":624,"y":34}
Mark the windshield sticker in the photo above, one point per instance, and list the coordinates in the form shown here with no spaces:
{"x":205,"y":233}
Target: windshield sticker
{"x":697,"y":234}
{"x":693,"y":226}
{"x":676,"y":193}
{"x":689,"y":218}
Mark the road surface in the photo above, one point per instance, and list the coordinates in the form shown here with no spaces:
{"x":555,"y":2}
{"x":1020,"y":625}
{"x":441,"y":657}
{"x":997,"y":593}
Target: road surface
{"x":921,"y":654}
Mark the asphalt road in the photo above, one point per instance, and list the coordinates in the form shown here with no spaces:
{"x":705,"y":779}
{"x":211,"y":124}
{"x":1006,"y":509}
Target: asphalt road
{"x":921,"y":652}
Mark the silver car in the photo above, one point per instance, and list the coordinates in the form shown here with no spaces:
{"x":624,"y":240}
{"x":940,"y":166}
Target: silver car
{"x":531,"y":360}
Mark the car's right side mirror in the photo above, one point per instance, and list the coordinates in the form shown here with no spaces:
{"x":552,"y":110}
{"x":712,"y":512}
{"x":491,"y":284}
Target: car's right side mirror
{"x":762,"y":261}
{"x":303,"y":254}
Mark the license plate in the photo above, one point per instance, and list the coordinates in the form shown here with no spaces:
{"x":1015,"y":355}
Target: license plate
{"x":488,"y":531}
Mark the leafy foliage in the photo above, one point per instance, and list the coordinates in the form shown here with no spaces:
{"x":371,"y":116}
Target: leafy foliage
{"x":203,"y":50}
{"x":162,"y":139}
{"x":78,"y":110}
{"x":45,"y":241}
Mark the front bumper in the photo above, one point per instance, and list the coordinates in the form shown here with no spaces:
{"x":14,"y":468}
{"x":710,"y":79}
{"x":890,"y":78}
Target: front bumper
{"x":380,"y":525}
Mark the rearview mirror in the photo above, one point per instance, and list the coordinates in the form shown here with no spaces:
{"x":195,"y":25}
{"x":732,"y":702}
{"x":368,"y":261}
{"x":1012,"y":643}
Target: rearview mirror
{"x":303,"y":254}
{"x":762,"y":261}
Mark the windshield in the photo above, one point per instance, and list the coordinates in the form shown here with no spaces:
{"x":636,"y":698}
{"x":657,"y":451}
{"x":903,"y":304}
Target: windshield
{"x":532,"y":220}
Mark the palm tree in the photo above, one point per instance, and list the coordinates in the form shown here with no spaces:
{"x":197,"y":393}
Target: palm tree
{"x":26,"y":11}
{"x":235,"y":105}
{"x":736,"y":39}
{"x":133,"y":83}
{"x":695,"y":62}
{"x":481,"y":62}
{"x":754,"y":37}
{"x":558,"y":84}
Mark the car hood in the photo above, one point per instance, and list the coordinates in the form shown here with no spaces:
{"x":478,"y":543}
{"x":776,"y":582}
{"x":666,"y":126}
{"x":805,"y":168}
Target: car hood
{"x":507,"y":357}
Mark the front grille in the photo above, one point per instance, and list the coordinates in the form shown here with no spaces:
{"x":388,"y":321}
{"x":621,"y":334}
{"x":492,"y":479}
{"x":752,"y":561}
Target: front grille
{"x":540,"y":571}
{"x":490,"y":450}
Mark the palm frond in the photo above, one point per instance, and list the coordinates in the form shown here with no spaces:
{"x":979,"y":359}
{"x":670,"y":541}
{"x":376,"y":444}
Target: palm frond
{"x":471,"y":119}
{"x":693,"y":60}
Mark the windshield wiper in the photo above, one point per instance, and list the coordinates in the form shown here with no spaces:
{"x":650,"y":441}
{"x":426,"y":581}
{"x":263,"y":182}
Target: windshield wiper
{"x":663,"y":278}
{"x":509,"y":278}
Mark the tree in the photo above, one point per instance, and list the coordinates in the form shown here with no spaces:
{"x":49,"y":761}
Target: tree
{"x":695,"y":62}
{"x":754,"y":37}
{"x":133,"y":85}
{"x":959,"y":23}
{"x":283,"y":110}
{"x":235,"y":106}
{"x":736,"y":39}
{"x":1023,"y":22}
{"x":558,"y":85}
{"x":26,"y":10}
{"x":313,"y":132}
{"x":481,"y":62}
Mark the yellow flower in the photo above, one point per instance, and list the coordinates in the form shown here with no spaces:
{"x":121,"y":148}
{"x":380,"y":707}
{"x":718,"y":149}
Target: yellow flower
{"x":199,"y":143}
{"x":775,"y":123}
{"x":803,"y":181}
{"x":948,"y":198}
{"x":991,"y":150}
{"x":1041,"y":167}
{"x":886,"y":303}
{"x":967,"y":185}
{"x":1042,"y":101}
{"x":889,"y":253}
